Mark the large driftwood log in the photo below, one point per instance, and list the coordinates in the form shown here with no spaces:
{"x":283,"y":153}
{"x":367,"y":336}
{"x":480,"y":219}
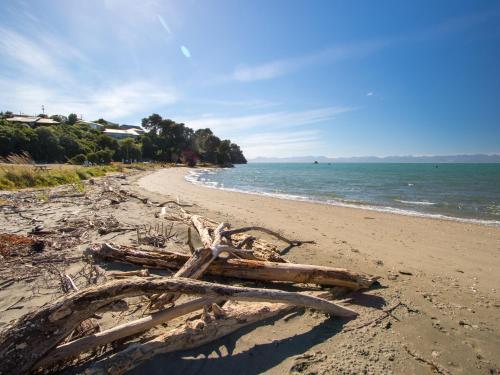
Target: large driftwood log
{"x":239,"y":268}
{"x":189,"y":336}
{"x":193,"y":268}
{"x":84,"y":344}
{"x":36,"y":333}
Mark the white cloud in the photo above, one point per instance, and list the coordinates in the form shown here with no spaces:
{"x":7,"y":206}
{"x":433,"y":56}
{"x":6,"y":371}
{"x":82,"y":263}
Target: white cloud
{"x":247,"y":104}
{"x":43,"y":67}
{"x":281,"y":143}
{"x":119,"y":101}
{"x":281,"y":119}
{"x":31,"y":56}
{"x":112,"y":102}
{"x":369,"y":93}
{"x":281,"y":67}
{"x":276,"y":68}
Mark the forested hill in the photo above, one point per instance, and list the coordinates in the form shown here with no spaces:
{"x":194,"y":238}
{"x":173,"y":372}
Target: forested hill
{"x":164,"y":140}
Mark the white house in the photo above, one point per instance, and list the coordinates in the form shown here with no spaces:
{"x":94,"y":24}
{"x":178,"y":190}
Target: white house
{"x":120,"y":134}
{"x":33,"y":120}
{"x":139,"y":130}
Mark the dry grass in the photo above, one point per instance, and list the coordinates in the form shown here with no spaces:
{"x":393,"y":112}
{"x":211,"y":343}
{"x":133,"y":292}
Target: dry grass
{"x":21,"y":176}
{"x":14,"y":176}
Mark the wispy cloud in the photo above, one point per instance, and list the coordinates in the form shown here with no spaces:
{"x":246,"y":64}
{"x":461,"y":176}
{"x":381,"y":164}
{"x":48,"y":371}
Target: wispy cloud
{"x":42,"y":71}
{"x":112,"y":102}
{"x":276,"y":68}
{"x":243,"y":104}
{"x":281,"y":143}
{"x":43,"y":56}
{"x":283,"y":119}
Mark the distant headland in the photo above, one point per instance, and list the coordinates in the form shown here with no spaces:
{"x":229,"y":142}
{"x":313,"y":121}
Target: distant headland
{"x":466,"y":158}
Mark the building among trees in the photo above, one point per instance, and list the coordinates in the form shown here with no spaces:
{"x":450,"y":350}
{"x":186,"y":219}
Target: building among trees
{"x":32,"y":120}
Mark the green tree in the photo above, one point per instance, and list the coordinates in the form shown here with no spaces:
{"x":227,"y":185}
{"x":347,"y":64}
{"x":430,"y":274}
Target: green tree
{"x":237,"y":156}
{"x":48,"y":148}
{"x":212,"y":144}
{"x":78,"y":159}
{"x":147,"y":147}
{"x":72,"y":119}
{"x":152,"y":122}
{"x":105,"y":156}
{"x":58,"y":118}
{"x":106,"y":142}
{"x":70,"y":146}
{"x":223,"y":152}
{"x":129,"y":150}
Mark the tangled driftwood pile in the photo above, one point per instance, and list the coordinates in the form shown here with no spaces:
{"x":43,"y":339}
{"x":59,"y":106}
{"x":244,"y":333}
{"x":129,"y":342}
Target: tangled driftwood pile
{"x":57,"y":335}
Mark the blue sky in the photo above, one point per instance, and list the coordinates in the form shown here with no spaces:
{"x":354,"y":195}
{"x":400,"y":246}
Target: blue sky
{"x":280,"y":78}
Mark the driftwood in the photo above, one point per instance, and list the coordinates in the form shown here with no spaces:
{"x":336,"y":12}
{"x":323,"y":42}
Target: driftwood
{"x":239,"y":268}
{"x":196,"y":265}
{"x":52,"y":336}
{"x":193,"y":268}
{"x":203,"y":229}
{"x":175,"y":202}
{"x":260,"y":249}
{"x":189,"y":336}
{"x":35,"y":334}
{"x":229,"y":233}
{"x":133,"y":195}
{"x":126,"y":274}
{"x":74,"y":348}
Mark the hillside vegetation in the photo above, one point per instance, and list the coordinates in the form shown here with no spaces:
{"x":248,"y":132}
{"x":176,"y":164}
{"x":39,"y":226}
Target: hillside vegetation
{"x":164,"y":141}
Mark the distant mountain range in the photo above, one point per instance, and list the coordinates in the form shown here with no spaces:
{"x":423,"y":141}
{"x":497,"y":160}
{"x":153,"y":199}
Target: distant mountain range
{"x":478,"y":158}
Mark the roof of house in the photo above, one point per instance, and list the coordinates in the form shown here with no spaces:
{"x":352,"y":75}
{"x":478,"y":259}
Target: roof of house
{"x":31,"y":119}
{"x":23,"y":119}
{"x":124,"y":126}
{"x":42,"y":120}
{"x":130,"y":132}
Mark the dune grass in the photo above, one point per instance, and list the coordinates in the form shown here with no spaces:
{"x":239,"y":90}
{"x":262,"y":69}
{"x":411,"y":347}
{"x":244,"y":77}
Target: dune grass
{"x":26,"y":176}
{"x":14,"y":176}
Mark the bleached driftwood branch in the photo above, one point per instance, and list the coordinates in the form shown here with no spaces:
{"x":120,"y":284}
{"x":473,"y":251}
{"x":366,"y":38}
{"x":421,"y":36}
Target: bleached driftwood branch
{"x":239,"y":268}
{"x":189,"y":336}
{"x":37,"y":333}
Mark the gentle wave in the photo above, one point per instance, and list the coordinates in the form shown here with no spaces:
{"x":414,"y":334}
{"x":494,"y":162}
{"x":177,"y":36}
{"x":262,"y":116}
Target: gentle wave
{"x":193,"y":177}
{"x":416,"y":203}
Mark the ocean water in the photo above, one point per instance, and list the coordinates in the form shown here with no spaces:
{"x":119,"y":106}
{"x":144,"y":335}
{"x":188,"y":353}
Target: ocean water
{"x":468,"y":192}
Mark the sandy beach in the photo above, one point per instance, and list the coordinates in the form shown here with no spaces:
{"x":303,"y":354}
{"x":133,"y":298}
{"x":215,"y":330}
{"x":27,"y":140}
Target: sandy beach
{"x":444,"y":272}
{"x":435,"y":310}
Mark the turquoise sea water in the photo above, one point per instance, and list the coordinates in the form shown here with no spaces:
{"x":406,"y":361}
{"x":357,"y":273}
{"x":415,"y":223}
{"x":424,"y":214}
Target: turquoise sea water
{"x":469,"y":192}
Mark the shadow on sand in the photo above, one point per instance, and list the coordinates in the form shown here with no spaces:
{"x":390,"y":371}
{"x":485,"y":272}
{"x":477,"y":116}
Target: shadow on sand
{"x":255,"y":360}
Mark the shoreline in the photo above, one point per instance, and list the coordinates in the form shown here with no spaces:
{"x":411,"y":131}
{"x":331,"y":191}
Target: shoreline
{"x":360,"y":206}
{"x":433,"y":245}
{"x":445,"y":272}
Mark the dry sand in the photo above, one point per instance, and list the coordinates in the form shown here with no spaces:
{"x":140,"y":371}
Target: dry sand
{"x":446,"y":274}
